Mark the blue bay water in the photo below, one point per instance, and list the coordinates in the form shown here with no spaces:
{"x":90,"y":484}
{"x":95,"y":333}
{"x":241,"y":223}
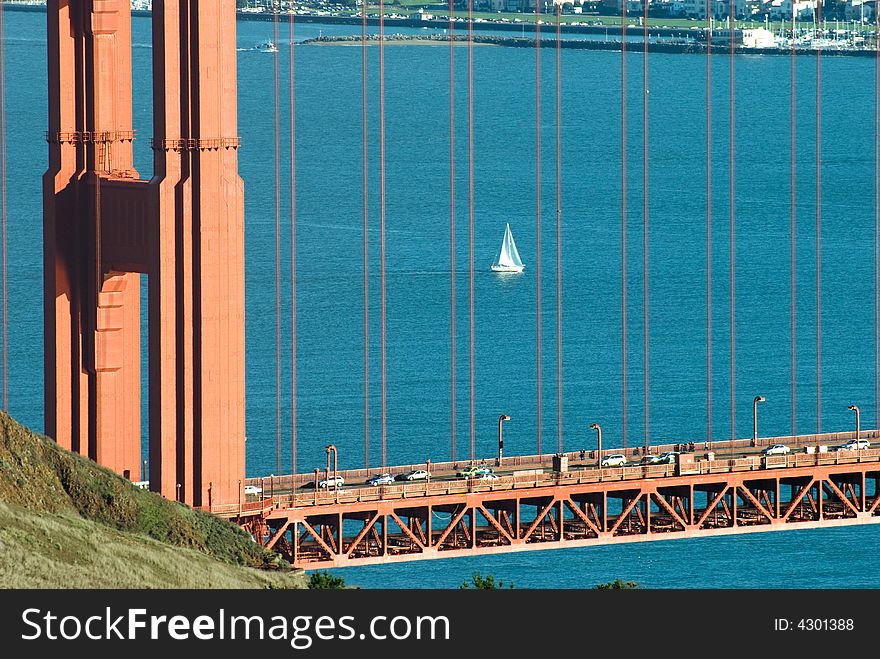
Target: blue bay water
{"x":330,"y":285}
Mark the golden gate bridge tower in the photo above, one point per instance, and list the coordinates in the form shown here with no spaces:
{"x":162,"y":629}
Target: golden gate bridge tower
{"x":104,"y":227}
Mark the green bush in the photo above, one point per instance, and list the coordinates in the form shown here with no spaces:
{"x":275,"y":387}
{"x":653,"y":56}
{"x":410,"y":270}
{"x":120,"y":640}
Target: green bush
{"x":323,"y":580}
{"x":479,"y":582}
{"x":617,"y":584}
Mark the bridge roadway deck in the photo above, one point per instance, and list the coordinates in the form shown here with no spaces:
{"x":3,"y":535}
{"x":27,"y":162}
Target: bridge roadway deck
{"x":530,"y":506}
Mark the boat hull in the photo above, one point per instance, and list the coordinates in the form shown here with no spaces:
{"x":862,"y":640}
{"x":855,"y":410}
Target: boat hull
{"x":507,"y":268}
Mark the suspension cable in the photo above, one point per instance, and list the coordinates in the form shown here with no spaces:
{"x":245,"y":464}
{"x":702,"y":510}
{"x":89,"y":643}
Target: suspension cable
{"x":3,"y":210}
{"x":538,"y":328}
{"x":792,"y":248}
{"x":818,"y":224}
{"x":709,"y":12}
{"x":558,"y":229}
{"x":623,"y":283}
{"x":452,"y":359}
{"x":876,"y":224}
{"x":471,"y":220}
{"x":277,"y":140}
{"x":645,"y":309}
{"x":366,"y":248}
{"x":732,"y":253}
{"x":293,"y":390}
{"x":382,"y":225}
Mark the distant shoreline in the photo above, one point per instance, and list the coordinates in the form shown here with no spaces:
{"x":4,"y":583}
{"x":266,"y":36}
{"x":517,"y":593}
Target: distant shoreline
{"x":691,"y":47}
{"x":576,"y":44}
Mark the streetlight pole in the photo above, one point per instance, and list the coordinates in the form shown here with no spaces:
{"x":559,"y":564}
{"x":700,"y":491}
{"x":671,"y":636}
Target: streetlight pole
{"x":501,"y":420}
{"x":598,"y":430}
{"x":855,"y":408}
{"x":332,"y":447}
{"x":758,"y":399}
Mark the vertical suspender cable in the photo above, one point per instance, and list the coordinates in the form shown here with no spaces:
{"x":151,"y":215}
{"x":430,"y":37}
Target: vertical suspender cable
{"x":731,"y":33}
{"x":292,"y":257}
{"x":792,"y":248}
{"x":538,"y":339}
{"x":818,"y":225}
{"x":382,"y":222}
{"x":452,"y":360}
{"x":709,"y":9}
{"x":876,"y":226}
{"x":558,"y":229}
{"x":277,"y":8}
{"x":471,"y":219}
{"x":5,"y":337}
{"x":366,"y":250}
{"x":645,"y":313}
{"x":623,"y":284}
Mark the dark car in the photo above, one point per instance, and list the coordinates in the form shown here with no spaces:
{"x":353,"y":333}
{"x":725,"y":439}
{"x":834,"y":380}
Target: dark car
{"x":380,"y":479}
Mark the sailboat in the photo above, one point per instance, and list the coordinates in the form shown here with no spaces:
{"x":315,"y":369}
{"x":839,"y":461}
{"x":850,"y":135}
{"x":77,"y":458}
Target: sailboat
{"x":507,"y":259}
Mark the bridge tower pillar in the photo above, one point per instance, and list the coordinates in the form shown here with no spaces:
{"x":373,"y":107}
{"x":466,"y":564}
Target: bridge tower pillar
{"x":183,"y":229}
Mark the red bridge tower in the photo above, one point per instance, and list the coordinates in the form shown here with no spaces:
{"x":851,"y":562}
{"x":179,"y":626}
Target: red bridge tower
{"x":183,"y":229}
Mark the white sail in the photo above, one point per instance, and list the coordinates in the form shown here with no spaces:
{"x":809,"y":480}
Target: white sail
{"x":512,"y":253}
{"x":508,"y":259}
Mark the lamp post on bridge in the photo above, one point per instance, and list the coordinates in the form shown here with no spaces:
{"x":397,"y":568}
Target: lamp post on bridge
{"x":332,"y":448}
{"x":758,"y":399}
{"x":855,"y":408}
{"x":598,"y":430}
{"x":501,"y":420}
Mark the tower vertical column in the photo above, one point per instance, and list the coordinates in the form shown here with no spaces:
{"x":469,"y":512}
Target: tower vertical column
{"x":197,"y":292}
{"x":61,"y":229}
{"x":92,"y":352}
{"x":170,"y":364}
{"x":110,"y":300}
{"x":218,"y":254}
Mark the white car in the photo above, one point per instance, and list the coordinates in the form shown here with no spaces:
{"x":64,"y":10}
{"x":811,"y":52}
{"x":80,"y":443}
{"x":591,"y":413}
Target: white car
{"x":776,"y":449}
{"x":253,"y":489}
{"x":854,"y":445}
{"x":414,"y":475}
{"x":489,"y":476}
{"x":613,"y":460}
{"x":336,"y":482}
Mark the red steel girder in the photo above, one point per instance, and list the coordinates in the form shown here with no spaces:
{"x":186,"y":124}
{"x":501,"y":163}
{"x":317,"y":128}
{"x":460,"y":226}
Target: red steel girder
{"x":758,"y":505}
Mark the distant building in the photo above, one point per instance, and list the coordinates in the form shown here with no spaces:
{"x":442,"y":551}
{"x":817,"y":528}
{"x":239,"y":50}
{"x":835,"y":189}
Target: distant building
{"x":748,"y":38}
{"x":783,"y":9}
{"x":616,"y":6}
{"x":860,"y":10}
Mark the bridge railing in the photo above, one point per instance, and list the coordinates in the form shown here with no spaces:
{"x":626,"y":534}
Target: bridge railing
{"x":537,"y":478}
{"x":281,"y":483}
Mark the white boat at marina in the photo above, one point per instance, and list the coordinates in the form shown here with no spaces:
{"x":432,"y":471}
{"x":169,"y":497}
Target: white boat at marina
{"x":507,"y":259}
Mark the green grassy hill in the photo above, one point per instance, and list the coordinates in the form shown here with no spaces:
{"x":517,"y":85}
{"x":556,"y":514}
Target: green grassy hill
{"x":65,"y":522}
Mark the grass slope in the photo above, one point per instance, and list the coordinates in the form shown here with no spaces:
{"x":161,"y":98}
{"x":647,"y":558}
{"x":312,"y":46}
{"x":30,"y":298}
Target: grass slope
{"x":67,"y":522}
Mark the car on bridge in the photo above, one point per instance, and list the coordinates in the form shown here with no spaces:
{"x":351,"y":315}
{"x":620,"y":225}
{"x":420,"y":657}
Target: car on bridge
{"x":651,"y":459}
{"x":414,"y":475}
{"x":473,"y":472}
{"x":490,"y":476}
{"x":380,"y":479}
{"x":668,"y":458}
{"x":613,"y":460}
{"x":334,"y":482}
{"x":854,"y":445}
{"x":253,"y":490}
{"x":776,"y":449}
